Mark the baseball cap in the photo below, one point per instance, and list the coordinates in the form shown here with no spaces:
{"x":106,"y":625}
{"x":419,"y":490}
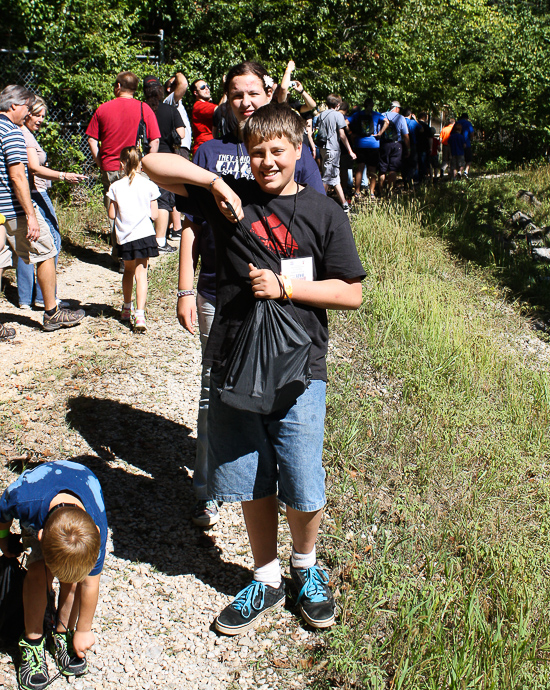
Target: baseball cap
{"x":395,"y":104}
{"x":150,"y":79}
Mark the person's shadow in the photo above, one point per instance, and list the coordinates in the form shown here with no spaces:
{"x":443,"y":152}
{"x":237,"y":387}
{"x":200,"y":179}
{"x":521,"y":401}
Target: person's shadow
{"x":149,"y":504}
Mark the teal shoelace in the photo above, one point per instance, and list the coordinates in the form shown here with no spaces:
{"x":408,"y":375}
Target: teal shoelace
{"x":314,"y":586}
{"x":244,"y":601}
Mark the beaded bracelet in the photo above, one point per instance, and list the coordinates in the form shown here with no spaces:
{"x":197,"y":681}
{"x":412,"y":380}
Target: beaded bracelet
{"x":185,"y":293}
{"x":214,"y":180}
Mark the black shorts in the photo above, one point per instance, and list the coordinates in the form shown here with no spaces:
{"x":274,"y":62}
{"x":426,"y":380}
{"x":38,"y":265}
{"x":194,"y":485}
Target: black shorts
{"x":468,"y":154}
{"x":391,"y":155}
{"x":167,"y":200}
{"x":368,"y":157}
{"x":138,"y":249}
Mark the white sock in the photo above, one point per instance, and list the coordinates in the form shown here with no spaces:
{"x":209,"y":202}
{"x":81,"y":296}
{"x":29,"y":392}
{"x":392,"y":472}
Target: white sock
{"x":161,"y":241}
{"x":303,"y":560}
{"x":127,"y":305}
{"x":269,"y":574}
{"x":139,"y":312}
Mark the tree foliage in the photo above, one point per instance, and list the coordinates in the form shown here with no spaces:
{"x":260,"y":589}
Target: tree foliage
{"x":489,"y":57}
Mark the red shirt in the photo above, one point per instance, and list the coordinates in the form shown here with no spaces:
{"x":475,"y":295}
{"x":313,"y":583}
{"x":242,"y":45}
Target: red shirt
{"x":115,"y":125}
{"x":201,"y":121}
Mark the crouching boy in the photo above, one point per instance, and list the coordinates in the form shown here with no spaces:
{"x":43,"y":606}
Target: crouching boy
{"x":253,"y":456}
{"x":61,"y":513}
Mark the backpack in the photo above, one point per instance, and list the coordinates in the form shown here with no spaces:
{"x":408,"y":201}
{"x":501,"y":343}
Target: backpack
{"x":390,"y":134}
{"x":142,"y":142}
{"x":366,"y":124}
{"x":322,"y":131}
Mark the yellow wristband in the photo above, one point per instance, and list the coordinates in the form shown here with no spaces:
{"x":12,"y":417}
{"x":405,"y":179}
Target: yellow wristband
{"x":287,"y":285}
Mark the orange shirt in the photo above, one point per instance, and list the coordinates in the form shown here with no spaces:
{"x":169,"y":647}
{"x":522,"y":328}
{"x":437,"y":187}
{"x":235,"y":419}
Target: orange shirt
{"x":446,"y":133}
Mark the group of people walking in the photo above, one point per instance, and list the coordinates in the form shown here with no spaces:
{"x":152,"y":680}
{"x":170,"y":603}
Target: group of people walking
{"x":253,"y":208}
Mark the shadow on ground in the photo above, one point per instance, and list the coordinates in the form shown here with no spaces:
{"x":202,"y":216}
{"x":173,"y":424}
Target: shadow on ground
{"x":149,"y":511}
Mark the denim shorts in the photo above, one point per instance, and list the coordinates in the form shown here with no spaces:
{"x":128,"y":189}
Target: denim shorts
{"x":252,"y":455}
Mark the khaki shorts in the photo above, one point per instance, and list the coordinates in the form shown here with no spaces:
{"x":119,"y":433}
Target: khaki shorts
{"x":30,"y":541}
{"x":6,"y":252}
{"x":35,"y":252}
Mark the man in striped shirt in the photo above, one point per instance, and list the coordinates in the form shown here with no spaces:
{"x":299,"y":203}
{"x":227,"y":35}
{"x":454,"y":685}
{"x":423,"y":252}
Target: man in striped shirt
{"x":27,"y":232}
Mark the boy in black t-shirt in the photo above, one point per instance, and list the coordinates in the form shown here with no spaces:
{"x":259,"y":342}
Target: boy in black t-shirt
{"x":254,"y":456}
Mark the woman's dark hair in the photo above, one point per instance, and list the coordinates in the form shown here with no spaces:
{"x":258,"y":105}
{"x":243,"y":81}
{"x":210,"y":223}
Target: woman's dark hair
{"x":243,"y":68}
{"x":153,"y":95}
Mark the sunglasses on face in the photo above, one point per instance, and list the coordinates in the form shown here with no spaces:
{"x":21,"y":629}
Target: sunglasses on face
{"x":204,"y":86}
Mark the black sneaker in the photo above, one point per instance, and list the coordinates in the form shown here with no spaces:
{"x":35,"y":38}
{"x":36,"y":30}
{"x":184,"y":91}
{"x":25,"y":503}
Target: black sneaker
{"x":32,"y":673}
{"x":68,"y":663}
{"x":205,"y":513}
{"x":248,"y":606}
{"x":167,"y":249}
{"x":63,"y":318}
{"x":314,"y":596}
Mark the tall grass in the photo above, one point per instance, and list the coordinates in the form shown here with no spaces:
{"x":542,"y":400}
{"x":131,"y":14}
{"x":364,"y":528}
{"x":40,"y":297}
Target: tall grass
{"x":439,"y":476}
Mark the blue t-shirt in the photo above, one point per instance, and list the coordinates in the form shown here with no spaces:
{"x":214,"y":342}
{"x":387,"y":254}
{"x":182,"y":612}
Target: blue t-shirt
{"x":456,"y":142}
{"x":467,"y":131}
{"x":228,"y":156}
{"x":397,"y":128}
{"x":364,"y":126}
{"x":28,"y":498}
{"x":414,"y":127}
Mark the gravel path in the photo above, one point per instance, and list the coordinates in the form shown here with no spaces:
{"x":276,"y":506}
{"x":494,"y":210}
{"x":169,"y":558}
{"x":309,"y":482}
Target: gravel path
{"x":125,"y":405}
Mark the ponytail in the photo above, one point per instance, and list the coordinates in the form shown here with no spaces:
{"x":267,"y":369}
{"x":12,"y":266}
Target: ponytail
{"x":130,"y":159}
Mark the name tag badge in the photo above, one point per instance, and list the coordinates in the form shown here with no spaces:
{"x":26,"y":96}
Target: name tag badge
{"x":298,"y":269}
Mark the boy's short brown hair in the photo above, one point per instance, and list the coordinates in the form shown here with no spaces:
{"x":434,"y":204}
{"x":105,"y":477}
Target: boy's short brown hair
{"x":274,"y":120}
{"x":70,"y":544}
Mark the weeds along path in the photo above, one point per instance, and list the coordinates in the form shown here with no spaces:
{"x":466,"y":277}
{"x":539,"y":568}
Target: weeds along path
{"x":125,"y":405}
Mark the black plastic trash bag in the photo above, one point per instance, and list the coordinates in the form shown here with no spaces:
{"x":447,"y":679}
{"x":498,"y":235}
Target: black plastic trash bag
{"x":12,"y":575}
{"x":268,"y":367}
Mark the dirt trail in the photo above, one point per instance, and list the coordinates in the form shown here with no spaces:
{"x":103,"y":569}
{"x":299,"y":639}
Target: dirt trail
{"x":125,"y":405}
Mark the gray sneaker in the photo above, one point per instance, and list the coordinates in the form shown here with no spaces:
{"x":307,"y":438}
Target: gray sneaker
{"x":63,"y":318}
{"x":68,"y":663}
{"x":205,"y":513}
{"x":6,"y":333}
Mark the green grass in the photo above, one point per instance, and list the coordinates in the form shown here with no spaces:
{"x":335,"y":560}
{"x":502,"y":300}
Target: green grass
{"x":473,"y":217}
{"x":439,"y":477}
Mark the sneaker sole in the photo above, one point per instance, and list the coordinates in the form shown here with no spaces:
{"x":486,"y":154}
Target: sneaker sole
{"x":57,"y":326}
{"x":329,"y":622}
{"x":205,"y":521}
{"x":220,"y":627}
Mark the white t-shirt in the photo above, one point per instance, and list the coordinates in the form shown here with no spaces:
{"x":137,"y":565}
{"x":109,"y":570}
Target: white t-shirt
{"x":186,"y":141}
{"x":133,"y":218}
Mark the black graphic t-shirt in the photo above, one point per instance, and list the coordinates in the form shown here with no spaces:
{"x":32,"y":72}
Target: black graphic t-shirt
{"x":320,"y":230}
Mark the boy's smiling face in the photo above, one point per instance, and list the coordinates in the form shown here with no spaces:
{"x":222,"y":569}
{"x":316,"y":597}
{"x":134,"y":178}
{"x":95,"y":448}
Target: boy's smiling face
{"x":273,"y":163}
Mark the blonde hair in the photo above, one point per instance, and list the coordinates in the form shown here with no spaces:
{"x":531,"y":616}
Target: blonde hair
{"x":130,"y":158}
{"x":272,"y":121}
{"x":70,"y":544}
{"x":38,"y":105}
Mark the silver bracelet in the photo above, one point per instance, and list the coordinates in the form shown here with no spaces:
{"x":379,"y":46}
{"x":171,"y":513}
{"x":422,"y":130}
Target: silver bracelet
{"x":185,"y":293}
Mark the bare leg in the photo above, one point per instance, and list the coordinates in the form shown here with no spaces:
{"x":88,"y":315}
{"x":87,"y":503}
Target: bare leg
{"x":340,"y":192}
{"x":68,"y":606}
{"x":371,"y":172}
{"x":37,"y":583}
{"x":141,"y":282}
{"x":358,"y":177}
{"x":261,"y":518}
{"x":304,"y":528}
{"x":45,"y":274}
{"x":161,"y":223}
{"x":128,"y":280}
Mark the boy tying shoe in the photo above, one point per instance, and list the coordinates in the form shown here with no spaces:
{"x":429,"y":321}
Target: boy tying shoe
{"x":61,"y":513}
{"x":254,"y":454}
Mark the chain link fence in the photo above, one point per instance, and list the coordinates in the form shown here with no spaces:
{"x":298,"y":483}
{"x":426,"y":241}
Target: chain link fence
{"x":20,"y":67}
